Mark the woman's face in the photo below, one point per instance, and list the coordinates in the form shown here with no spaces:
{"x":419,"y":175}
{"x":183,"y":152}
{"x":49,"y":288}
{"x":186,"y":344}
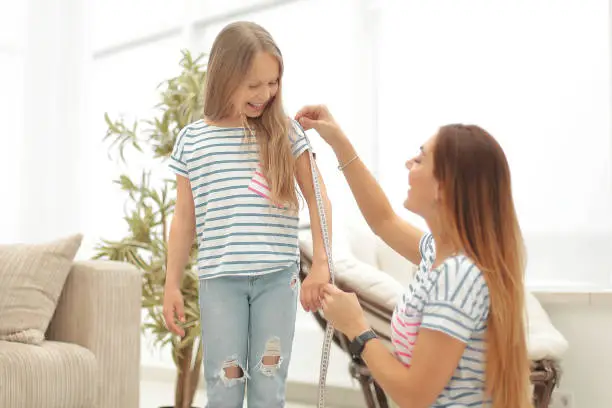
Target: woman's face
{"x":423,"y":188}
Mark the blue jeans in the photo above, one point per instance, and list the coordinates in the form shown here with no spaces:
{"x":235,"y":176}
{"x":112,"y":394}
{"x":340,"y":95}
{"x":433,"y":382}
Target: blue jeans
{"x":248,"y":325}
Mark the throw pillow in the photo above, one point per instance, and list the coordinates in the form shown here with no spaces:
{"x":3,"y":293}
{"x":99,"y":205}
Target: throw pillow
{"x":33,"y":276}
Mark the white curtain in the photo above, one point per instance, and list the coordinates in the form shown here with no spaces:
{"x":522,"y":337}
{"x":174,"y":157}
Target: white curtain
{"x":124,"y":85}
{"x":12,"y":21}
{"x":535,"y":74}
{"x":117,"y":22}
{"x":325,"y":50}
{"x":57,"y":80}
{"x":11,"y":120}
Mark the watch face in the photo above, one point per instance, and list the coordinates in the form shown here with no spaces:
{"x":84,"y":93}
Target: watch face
{"x":357,"y":345}
{"x":354,"y":345}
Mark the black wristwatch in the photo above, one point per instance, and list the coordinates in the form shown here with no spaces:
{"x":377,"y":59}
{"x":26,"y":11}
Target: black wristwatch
{"x":358,"y":344}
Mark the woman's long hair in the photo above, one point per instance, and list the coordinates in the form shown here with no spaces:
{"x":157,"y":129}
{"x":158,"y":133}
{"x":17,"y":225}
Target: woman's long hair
{"x":229,"y":62}
{"x":475,"y":183}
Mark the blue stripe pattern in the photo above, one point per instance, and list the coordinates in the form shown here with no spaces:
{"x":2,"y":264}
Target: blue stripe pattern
{"x":453,"y":299}
{"x":240,"y":232}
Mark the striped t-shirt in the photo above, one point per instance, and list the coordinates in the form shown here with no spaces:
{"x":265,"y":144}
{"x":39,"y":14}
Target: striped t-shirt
{"x":240,"y":231}
{"x":453,"y":299}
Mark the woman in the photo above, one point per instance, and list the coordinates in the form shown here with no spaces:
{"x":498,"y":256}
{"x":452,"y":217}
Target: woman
{"x":458,"y":332}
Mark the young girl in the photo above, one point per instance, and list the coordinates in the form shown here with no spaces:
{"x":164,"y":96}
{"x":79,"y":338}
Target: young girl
{"x":236,"y":192}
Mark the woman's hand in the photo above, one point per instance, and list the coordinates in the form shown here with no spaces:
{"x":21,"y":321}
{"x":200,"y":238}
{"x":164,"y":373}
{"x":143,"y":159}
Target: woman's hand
{"x":343,"y":311}
{"x":319,"y":118}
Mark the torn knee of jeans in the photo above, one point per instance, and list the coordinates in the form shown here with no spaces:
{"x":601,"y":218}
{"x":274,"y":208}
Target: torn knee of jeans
{"x":271,"y":359}
{"x":232,"y":372}
{"x":293,"y":282}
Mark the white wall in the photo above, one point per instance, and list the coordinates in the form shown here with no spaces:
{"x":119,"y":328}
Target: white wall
{"x":586,"y":322}
{"x":536,"y":74}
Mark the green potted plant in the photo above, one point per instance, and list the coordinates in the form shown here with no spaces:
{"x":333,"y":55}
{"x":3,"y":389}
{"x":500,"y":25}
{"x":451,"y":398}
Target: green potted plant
{"x":149,"y":206}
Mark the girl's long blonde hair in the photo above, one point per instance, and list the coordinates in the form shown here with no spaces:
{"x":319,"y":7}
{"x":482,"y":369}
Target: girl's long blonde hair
{"x":229,"y":62}
{"x":479,"y":210}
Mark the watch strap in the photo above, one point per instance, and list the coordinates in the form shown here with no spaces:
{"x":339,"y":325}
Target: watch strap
{"x":358,"y":344}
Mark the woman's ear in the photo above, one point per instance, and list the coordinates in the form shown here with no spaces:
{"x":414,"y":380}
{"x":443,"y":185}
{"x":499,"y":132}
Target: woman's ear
{"x":437,"y":192}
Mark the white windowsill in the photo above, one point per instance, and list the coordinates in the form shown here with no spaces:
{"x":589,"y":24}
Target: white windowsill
{"x":571,"y":293}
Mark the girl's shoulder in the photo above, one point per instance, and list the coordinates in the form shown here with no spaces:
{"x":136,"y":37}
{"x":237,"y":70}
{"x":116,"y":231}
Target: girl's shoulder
{"x":198,"y":124}
{"x":202,"y":129}
{"x":194,"y":128}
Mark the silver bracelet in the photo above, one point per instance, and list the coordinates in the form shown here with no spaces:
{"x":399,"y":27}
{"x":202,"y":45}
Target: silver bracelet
{"x":342,"y":166}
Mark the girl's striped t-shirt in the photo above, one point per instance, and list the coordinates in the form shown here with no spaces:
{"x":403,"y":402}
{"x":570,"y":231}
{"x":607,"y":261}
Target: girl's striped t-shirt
{"x":454,"y":299}
{"x":240,"y":230}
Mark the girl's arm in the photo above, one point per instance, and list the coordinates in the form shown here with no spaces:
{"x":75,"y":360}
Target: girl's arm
{"x":182,"y":233}
{"x":374,"y":205}
{"x":319,"y":273}
{"x":306,"y":184}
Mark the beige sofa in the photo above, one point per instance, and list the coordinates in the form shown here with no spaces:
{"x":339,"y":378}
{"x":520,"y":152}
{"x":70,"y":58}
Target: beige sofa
{"x":90,"y":356}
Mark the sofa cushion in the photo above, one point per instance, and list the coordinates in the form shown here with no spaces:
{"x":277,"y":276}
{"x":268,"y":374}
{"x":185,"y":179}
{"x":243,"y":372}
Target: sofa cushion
{"x":51,"y":374}
{"x":545,"y":341}
{"x":363,"y":243}
{"x":341,"y":246}
{"x":394,"y":264}
{"x":32,"y":277}
{"x":367,"y":247}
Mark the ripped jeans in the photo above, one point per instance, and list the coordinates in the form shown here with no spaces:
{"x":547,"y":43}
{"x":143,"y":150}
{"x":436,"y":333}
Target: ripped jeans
{"x":248,"y":325}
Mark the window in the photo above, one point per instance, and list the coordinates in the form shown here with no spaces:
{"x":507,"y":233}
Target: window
{"x":322,"y":65}
{"x":125,"y":86}
{"x":135,"y":20}
{"x":211,"y":9}
{"x":542,"y":90}
{"x":13,"y":15}
{"x":11,"y":117}
{"x":12,"y":21}
{"x":133,"y":52}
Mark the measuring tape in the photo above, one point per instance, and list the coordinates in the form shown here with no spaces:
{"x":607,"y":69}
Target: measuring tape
{"x":329,"y":329}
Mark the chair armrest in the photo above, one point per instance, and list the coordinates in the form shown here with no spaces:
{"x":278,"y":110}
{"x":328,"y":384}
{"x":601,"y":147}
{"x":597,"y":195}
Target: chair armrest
{"x":100,"y":309}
